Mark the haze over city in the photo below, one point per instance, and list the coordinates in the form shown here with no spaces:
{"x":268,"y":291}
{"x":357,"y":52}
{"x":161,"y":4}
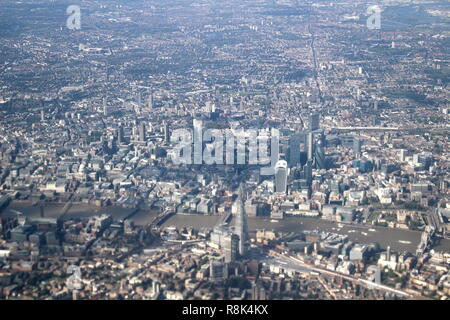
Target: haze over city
{"x":224,"y":150}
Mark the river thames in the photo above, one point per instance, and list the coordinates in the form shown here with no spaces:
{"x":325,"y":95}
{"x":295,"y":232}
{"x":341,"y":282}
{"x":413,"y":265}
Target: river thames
{"x":397,"y":239}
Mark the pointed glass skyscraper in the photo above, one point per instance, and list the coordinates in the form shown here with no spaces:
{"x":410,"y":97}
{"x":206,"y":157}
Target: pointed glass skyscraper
{"x":241,"y":228}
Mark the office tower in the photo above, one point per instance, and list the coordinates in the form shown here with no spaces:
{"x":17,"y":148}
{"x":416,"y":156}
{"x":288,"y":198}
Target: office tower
{"x":402,"y":155}
{"x":307,"y":169}
{"x":230,"y":247}
{"x":281,"y":174}
{"x":166,"y":132}
{"x":142,"y":132}
{"x":198,"y":141}
{"x":241,"y":228}
{"x":139,"y":99}
{"x":42,"y":115}
{"x":150,"y":102}
{"x":217,"y":270}
{"x":208,"y":107}
{"x":105,"y":108}
{"x":120,"y":135}
{"x":112,"y":145}
{"x":388,"y":253}
{"x":424,"y":159}
{"x":134,"y":130}
{"x":375,"y":105}
{"x":360,"y":70}
{"x":314,"y":122}
{"x":319,"y":155}
{"x":294,"y":148}
{"x":310,"y":146}
{"x":357,"y":146}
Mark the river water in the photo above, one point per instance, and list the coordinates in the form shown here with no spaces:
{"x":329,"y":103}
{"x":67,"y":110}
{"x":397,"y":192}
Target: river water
{"x":398,"y":239}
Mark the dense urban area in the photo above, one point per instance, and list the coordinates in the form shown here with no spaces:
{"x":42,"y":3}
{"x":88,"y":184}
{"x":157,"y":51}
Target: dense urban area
{"x":242,"y":150}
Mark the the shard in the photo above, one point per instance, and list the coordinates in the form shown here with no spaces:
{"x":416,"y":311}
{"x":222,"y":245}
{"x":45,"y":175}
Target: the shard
{"x":241,"y":228}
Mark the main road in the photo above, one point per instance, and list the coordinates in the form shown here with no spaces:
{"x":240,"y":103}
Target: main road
{"x":363,"y":282}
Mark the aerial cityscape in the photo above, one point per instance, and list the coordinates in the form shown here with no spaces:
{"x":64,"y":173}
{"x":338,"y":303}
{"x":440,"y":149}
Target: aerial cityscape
{"x":224,"y":150}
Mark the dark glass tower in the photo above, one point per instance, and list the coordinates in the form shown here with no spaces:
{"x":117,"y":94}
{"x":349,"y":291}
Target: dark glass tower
{"x":314,"y":121}
{"x":295,"y":141}
{"x":319,"y":154}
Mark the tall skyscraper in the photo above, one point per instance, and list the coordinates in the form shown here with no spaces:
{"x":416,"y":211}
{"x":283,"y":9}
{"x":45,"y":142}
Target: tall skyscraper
{"x":314,"y":122}
{"x":319,"y":155}
{"x":120,"y":135}
{"x":294,"y":148}
{"x":150,"y":102}
{"x":105,"y":107}
{"x":357,"y":146}
{"x":139,"y":99}
{"x":281,"y":174}
{"x":198,"y":141}
{"x":142,"y":136}
{"x":42,"y":115}
{"x":166,"y":132}
{"x":310,"y":146}
{"x":231,"y":247}
{"x":307,"y":169}
{"x":402,"y":155}
{"x":241,"y":223}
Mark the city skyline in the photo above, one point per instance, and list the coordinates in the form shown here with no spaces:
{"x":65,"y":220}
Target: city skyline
{"x":224,"y":150}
